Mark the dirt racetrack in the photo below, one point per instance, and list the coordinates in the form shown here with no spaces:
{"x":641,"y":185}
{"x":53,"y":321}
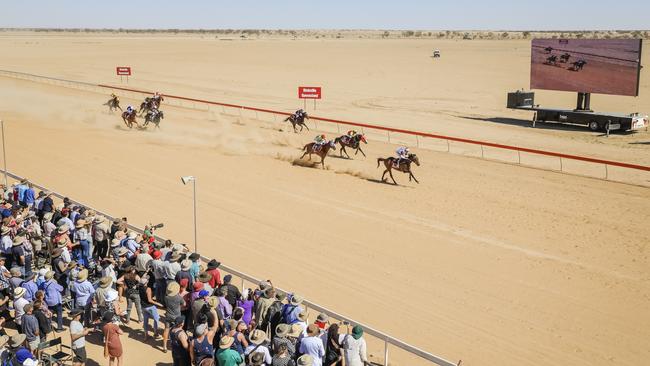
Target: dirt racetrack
{"x":488,"y":262}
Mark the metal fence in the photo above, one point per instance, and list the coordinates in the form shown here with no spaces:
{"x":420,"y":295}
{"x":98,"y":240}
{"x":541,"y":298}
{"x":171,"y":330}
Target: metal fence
{"x":540,"y":159}
{"x":379,"y":336}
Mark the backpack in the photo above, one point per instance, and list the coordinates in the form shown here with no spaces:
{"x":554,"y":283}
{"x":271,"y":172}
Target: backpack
{"x":9,"y":359}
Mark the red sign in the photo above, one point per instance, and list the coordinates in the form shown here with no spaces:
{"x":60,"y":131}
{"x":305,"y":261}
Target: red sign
{"x":309,"y":92}
{"x":123,"y":70}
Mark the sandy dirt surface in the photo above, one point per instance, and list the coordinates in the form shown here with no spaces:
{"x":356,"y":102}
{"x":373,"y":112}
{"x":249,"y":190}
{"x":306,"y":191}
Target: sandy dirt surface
{"x":486,"y":262}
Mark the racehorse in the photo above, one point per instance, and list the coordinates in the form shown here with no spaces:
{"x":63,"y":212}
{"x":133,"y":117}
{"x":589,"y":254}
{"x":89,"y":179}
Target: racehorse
{"x":320,"y":150}
{"x":351,"y":142}
{"x":129,"y":119}
{"x":153,"y":117}
{"x":298,"y":121}
{"x":564,"y":58}
{"x":146,"y":105}
{"x":578,"y":65}
{"x":113,"y":104}
{"x":551,"y":60}
{"x":404,"y":166}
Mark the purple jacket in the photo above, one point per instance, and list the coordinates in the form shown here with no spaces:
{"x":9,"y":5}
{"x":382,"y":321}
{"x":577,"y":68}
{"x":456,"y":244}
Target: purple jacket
{"x":52,"y":292}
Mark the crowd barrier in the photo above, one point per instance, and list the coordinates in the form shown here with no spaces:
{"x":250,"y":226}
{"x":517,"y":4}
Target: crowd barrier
{"x":541,"y":159}
{"x":309,"y":305}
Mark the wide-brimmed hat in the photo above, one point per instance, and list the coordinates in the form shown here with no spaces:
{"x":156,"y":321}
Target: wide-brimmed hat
{"x":173,"y":288}
{"x":257,"y":336}
{"x":257,"y":359}
{"x":5,"y":230}
{"x":122,"y":251}
{"x":186,"y":264}
{"x":17,"y":340}
{"x":133,"y":235}
{"x":105,"y":282}
{"x":110,"y":295}
{"x":115,"y":243}
{"x":323,"y":318}
{"x":99,"y":219}
{"x":76,"y":311}
{"x":296,"y":300}
{"x":295,"y":331}
{"x":83,"y":275}
{"x":305,"y":360}
{"x":72,"y":265}
{"x":19,"y":292}
{"x":63,"y":228}
{"x":282,"y":330}
{"x":80,"y":223}
{"x":175,"y":257}
{"x":213,"y":301}
{"x":280,"y":296}
{"x":204,"y":277}
{"x":48,"y":217}
{"x":225,"y":342}
{"x":212,"y":264}
{"x":57,"y":252}
{"x":15,"y":272}
{"x":303,"y":315}
{"x":49,"y":275}
{"x":194,"y":256}
{"x":357,"y":332}
{"x":3,"y":340}
{"x":18,"y":240}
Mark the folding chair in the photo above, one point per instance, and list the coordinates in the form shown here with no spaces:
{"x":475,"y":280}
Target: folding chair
{"x":58,"y":357}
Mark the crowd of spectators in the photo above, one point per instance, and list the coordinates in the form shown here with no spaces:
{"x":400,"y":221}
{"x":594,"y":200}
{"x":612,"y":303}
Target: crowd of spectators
{"x":66,"y":271}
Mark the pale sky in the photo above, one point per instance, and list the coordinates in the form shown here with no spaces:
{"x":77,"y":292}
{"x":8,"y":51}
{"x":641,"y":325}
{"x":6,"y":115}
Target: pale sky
{"x":330,"y":14}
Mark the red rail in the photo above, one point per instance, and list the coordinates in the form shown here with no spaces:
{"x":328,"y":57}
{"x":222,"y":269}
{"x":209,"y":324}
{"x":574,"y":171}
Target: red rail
{"x":407,"y":132}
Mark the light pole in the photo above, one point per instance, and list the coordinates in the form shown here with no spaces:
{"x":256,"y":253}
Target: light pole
{"x":4,"y":153}
{"x":192,"y":179}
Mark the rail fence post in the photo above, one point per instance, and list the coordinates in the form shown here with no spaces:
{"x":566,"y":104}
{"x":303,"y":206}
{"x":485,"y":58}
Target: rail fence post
{"x":385,"y":352}
{"x":338,"y":128}
{"x":561,"y":169}
{"x":223,"y":110}
{"x":240,"y":111}
{"x":606,"y":173}
{"x":518,"y":157}
{"x":417,"y":140}
{"x":388,"y":134}
{"x":257,"y":116}
{"x":447,"y":145}
{"x":482,"y":154}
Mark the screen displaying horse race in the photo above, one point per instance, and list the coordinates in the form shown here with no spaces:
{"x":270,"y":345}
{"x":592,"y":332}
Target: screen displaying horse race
{"x":604,"y":66}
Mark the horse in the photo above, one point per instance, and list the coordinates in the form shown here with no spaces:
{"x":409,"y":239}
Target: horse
{"x":129,"y":119}
{"x":113,"y":104}
{"x":564,"y":58}
{"x":153,"y":117}
{"x":299,"y":121}
{"x":578,"y":65}
{"x":404,"y":166}
{"x":311,"y":147}
{"x":548,"y":49}
{"x":146,"y":106}
{"x":351,"y":142}
{"x":551,"y":60}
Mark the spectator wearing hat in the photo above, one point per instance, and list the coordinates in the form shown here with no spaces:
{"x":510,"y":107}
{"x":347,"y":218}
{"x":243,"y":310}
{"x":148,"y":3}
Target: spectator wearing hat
{"x":280,"y":339}
{"x":29,"y":326}
{"x":6,"y":243}
{"x":22,"y":258}
{"x":312,"y":345}
{"x":198,"y":304}
{"x":196,"y":288}
{"x":274,"y":313}
{"x":112,"y":344}
{"x":237,"y":331}
{"x":84,"y":292}
{"x":16,"y":279}
{"x":291,"y":310}
{"x":172,"y":267}
{"x":105,"y":286}
{"x":215,"y":274}
{"x":263,"y":304}
{"x":30,"y":286}
{"x":354,"y":347}
{"x":18,"y":350}
{"x":173,"y":303}
{"x":47,"y":205}
{"x":322,"y":322}
{"x":246,"y":304}
{"x":132,"y":245}
{"x":158,"y":271}
{"x":194,"y":268}
{"x":305,"y":360}
{"x":149,"y":306}
{"x":180,"y":343}
{"x":201,"y":345}
{"x":231,"y":291}
{"x":65,"y":220}
{"x":129,"y":283}
{"x":204,"y":278}
{"x":100,"y":237}
{"x":186,"y":305}
{"x":227,"y":356}
{"x":257,"y":340}
{"x":19,"y":304}
{"x":224,"y":305}
{"x":303,"y":318}
{"x":44,"y":322}
{"x":78,"y":335}
{"x":82,"y":238}
{"x":143,"y":260}
{"x":185,"y":273}
{"x":295,"y":333}
{"x":53,"y":298}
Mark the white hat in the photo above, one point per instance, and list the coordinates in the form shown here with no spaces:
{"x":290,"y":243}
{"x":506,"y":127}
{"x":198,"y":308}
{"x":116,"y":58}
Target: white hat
{"x":111,"y":295}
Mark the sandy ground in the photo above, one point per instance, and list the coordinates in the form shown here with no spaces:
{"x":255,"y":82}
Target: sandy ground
{"x":486,"y":262}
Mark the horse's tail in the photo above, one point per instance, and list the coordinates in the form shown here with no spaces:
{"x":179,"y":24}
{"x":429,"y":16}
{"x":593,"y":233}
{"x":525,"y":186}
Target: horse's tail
{"x":287,"y":119}
{"x":305,"y":147}
{"x":379,"y":160}
{"x":337,"y":140}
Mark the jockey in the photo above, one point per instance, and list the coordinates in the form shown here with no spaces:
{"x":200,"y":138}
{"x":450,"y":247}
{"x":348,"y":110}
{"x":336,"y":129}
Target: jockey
{"x":320,"y":140}
{"x":113,"y":96}
{"x":402,"y":153}
{"x":299,"y":114}
{"x":129,"y":110}
{"x":352,"y":133}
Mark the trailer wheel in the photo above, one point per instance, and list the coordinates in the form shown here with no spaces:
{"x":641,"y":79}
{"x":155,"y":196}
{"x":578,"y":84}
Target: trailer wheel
{"x":594,"y":126}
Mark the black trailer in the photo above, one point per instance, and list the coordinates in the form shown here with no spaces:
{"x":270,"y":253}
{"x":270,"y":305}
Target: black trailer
{"x":582,"y":115}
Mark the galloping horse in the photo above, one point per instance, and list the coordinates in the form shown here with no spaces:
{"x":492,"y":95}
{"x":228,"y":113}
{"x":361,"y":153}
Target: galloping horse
{"x":551,"y":60}
{"x":578,"y":65}
{"x":298,"y":121}
{"x":153,"y":117}
{"x":404,"y":166}
{"x":351,"y":142}
{"x":146,"y":106}
{"x":113,"y":104}
{"x":129,"y":119}
{"x":311,"y":148}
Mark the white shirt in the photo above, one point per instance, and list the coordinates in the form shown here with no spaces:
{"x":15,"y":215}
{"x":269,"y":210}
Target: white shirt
{"x":65,"y":255}
{"x":18,"y":307}
{"x":261,"y":349}
{"x":354,"y":350}
{"x":7,"y":243}
{"x":313,"y":346}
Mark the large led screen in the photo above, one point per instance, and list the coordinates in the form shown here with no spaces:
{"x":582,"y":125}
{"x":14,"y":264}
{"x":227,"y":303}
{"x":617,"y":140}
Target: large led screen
{"x":604,"y":66}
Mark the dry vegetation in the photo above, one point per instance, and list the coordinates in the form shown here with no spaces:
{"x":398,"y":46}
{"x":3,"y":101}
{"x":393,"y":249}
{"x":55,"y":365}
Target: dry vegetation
{"x":342,"y":34}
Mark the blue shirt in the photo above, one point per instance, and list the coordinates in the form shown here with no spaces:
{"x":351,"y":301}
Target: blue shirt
{"x":23,"y":354}
{"x":290,"y":313}
{"x":132,"y":247}
{"x":84,"y":291}
{"x":31,"y":288}
{"x":28,"y":197}
{"x":21,"y":192}
{"x":52,"y":292}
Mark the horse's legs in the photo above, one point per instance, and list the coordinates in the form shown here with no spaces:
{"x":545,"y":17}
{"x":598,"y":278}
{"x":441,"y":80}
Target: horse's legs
{"x":411,"y":175}
{"x":359,"y":150}
{"x":391,"y":176}
{"x":305,"y":126}
{"x":383,"y":175}
{"x":303,"y":155}
{"x":322,"y":160}
{"x":344,"y":151}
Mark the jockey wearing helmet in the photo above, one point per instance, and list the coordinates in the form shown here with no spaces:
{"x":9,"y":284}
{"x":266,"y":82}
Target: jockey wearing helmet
{"x":402,"y":153}
{"x":129,"y":110}
{"x":352,"y":133}
{"x":320,"y":140}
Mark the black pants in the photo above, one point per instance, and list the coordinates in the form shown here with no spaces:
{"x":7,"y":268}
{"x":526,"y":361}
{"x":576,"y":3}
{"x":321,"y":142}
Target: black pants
{"x":101,"y":249}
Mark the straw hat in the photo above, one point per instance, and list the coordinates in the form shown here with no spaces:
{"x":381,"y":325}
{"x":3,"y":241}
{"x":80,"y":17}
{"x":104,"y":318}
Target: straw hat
{"x":63,"y":228}
{"x":83,"y":275}
{"x":133,"y":235}
{"x":186,"y":264}
{"x":257,"y":359}
{"x":173,"y":288}
{"x":323,"y":318}
{"x":57,"y":252}
{"x":19,"y":240}
{"x":257,"y":336}
{"x":111,"y":295}
{"x":122,"y":251}
{"x":99,"y":219}
{"x":80,"y":223}
{"x":3,"y":340}
{"x":295,"y":331}
{"x":49,"y":275}
{"x":282,"y":330}
{"x":15,"y":272}
{"x":105,"y":282}
{"x":115,"y":243}
{"x":296,"y":300}
{"x":5,"y":230}
{"x":303,"y":315}
{"x":204,"y":277}
{"x":305,"y":360}
{"x":47,"y":217}
{"x":19,"y":292}
{"x":175,"y":257}
{"x":225,"y":342}
{"x":17,"y":340}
